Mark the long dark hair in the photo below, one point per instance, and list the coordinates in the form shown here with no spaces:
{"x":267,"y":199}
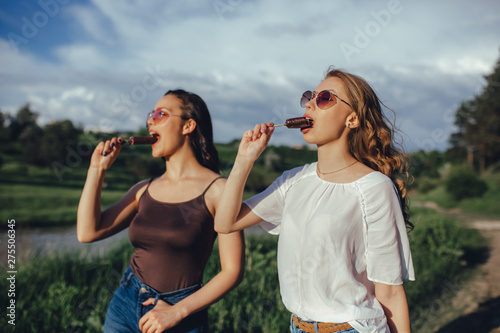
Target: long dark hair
{"x":372,"y":142}
{"x":193,"y":107}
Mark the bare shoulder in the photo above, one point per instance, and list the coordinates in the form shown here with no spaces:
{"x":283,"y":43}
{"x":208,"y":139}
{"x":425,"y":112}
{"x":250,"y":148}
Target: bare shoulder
{"x":215,"y":190}
{"x":138,"y":189}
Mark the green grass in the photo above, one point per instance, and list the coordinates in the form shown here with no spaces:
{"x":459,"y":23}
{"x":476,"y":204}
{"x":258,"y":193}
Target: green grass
{"x":70,"y":292}
{"x":37,"y":205}
{"x":445,"y":256}
{"x":65,"y":292}
{"x":437,"y":195}
{"x":36,"y":196}
{"x":255,"y":305}
{"x":441,"y":248}
{"x":486,"y":205}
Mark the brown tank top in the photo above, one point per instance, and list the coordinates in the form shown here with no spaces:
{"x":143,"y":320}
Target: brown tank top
{"x":172,"y":241}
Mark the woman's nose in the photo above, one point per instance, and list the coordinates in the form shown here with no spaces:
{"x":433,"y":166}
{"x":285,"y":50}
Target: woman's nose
{"x":149,"y":121}
{"x":311,"y":104}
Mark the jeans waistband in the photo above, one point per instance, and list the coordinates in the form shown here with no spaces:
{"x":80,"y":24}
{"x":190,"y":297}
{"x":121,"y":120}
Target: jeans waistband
{"x":129,"y":278}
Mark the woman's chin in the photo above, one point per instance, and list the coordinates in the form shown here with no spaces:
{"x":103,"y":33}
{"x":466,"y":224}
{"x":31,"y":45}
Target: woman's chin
{"x":155,"y":154}
{"x":308,"y":139}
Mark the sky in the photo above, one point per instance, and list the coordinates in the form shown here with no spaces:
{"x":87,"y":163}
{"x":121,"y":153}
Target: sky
{"x":104,"y":64}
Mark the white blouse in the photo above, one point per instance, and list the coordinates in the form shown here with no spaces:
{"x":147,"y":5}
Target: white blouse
{"x":336,"y":240}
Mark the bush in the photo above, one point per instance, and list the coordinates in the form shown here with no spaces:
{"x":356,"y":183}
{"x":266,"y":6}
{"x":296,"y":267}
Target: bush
{"x":462,"y":182}
{"x":67,"y":292}
{"x":259,"y":179}
{"x":255,"y":305}
{"x":442,"y":250}
{"x":427,"y":185}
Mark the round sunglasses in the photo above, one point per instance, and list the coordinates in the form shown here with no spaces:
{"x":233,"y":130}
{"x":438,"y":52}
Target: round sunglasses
{"x":324,"y":99}
{"x":160,"y":116}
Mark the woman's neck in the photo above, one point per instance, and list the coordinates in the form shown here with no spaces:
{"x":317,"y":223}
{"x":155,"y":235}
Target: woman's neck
{"x":182,"y":164}
{"x":333,"y":156}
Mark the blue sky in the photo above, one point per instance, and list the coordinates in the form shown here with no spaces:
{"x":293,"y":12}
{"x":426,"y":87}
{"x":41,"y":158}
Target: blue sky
{"x":104,"y":64}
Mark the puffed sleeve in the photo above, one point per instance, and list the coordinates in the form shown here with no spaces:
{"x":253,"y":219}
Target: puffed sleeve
{"x":269,"y":204}
{"x":388,"y":256}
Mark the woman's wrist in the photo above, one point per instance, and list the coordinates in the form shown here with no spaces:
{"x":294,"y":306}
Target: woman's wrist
{"x":96,"y":171}
{"x":181,"y":311}
{"x":242,"y":165}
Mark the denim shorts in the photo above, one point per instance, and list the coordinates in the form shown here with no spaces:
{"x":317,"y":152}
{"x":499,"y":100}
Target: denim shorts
{"x":295,"y":329}
{"x":126,"y":309}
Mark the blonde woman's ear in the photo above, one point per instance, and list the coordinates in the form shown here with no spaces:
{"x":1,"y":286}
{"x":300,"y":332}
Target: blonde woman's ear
{"x":352,"y":121}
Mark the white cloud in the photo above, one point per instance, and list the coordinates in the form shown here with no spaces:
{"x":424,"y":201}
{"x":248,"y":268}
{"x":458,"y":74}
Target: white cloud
{"x":251,"y":61}
{"x":80,"y":93}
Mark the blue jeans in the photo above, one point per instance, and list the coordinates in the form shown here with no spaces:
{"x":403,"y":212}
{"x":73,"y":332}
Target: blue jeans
{"x":295,"y":329}
{"x":126,"y":309}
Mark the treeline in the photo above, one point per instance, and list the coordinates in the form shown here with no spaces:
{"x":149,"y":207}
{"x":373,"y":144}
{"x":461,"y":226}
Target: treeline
{"x":21,"y":135}
{"x":63,"y":147}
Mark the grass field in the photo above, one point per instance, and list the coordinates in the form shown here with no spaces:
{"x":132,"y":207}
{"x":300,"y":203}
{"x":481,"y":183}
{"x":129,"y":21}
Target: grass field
{"x":38,"y":197}
{"x":36,"y":205}
{"x":485,"y":205}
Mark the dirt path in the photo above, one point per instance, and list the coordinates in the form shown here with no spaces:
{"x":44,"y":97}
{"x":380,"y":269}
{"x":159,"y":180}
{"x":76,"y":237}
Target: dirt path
{"x":472,"y":306}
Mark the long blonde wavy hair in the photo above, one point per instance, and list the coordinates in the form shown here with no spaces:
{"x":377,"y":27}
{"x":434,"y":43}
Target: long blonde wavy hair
{"x":372,"y":142}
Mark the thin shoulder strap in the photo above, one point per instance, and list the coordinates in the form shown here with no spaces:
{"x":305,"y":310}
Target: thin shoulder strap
{"x":149,"y":183}
{"x":208,"y":187}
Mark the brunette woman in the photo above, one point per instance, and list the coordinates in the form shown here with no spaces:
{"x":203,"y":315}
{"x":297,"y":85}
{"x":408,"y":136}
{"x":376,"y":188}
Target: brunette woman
{"x":170,"y":221}
{"x":343,"y":250}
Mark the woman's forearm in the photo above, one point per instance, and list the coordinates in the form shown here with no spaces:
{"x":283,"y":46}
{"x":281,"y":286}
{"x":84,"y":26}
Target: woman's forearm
{"x":210,"y":293}
{"x":232,"y":196}
{"x":253,"y":143}
{"x":89,"y":208}
{"x":395,"y":305}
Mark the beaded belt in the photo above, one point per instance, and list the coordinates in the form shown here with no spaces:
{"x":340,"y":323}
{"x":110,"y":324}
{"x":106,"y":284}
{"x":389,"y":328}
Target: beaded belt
{"x":322,"y":327}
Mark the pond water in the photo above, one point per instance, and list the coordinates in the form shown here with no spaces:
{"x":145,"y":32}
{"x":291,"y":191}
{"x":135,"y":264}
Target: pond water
{"x":47,"y":240}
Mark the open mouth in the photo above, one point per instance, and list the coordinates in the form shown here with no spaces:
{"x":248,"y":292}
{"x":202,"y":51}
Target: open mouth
{"x":311,"y":123}
{"x":155,"y":135}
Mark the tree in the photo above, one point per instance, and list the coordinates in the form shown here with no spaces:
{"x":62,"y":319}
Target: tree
{"x":30,"y":142}
{"x":59,"y":140}
{"x":426,"y":164}
{"x":3,"y":129}
{"x":43,"y":146}
{"x":23,"y":119}
{"x":478,"y":123}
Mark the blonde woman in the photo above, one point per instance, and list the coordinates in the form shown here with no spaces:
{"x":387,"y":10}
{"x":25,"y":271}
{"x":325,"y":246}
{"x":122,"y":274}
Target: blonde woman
{"x":343,"y":250}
